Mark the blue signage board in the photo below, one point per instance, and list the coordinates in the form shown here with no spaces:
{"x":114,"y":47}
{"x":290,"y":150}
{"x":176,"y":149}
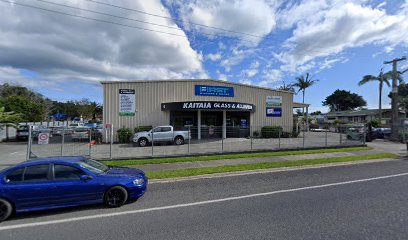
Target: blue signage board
{"x":274,"y":112}
{"x":217,"y":91}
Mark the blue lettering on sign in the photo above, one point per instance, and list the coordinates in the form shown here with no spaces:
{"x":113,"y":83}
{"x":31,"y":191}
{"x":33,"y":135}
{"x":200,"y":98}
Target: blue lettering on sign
{"x":274,"y":112}
{"x":217,"y":91}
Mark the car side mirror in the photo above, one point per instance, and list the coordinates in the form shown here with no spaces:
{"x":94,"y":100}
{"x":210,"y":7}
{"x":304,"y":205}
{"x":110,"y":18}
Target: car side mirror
{"x":85,"y":177}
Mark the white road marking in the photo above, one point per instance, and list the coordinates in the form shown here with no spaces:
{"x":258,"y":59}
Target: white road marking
{"x":35,"y":224}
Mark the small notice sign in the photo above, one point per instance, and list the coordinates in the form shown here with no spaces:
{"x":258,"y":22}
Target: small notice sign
{"x":127,"y":102}
{"x":43,"y":138}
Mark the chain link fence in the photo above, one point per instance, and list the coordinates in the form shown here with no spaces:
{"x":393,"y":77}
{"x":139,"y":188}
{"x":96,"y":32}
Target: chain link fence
{"x":164,"y":141}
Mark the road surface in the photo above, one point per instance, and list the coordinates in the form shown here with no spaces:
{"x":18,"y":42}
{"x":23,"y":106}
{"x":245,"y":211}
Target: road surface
{"x":363,"y":201}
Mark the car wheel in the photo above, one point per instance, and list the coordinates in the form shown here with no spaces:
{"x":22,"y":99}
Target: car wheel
{"x":115,"y":197}
{"x":179,"y":141}
{"x":349,"y":137}
{"x":142,"y":142}
{"x":6,"y":209}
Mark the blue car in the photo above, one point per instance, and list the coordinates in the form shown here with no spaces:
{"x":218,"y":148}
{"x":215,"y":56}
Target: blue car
{"x":57,"y":182}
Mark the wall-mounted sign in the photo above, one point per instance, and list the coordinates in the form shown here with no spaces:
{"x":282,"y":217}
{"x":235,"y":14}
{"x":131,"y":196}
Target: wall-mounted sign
{"x":273,"y":106}
{"x":217,"y":91}
{"x":209,"y":105}
{"x":127,"y":102}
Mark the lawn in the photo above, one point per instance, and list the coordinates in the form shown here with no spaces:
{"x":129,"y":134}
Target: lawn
{"x":229,"y":156}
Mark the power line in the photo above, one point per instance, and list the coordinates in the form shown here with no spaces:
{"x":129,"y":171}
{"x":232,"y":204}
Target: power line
{"x":89,"y":18}
{"x":174,"y":19}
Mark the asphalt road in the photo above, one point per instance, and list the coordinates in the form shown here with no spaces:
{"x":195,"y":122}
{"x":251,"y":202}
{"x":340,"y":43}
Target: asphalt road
{"x":364,"y":201}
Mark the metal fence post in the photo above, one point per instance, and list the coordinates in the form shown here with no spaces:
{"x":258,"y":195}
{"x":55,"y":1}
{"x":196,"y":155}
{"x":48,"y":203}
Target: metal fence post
{"x":251,"y":135}
{"x":29,"y":143}
{"x":90,"y":142}
{"x":304,"y":137}
{"x":341,"y":137}
{"x":325,"y":143}
{"x":222,"y":143}
{"x":62,"y":142}
{"x":279,"y":142}
{"x":152,"y":141}
{"x":111,"y":142}
{"x":189,"y":139}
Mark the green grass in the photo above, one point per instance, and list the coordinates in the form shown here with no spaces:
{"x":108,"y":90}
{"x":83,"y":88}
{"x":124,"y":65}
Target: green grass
{"x":263,"y":165}
{"x":229,"y":156}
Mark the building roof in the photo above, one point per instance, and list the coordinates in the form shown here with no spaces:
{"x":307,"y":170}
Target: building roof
{"x":194,"y":80}
{"x":355,"y":113}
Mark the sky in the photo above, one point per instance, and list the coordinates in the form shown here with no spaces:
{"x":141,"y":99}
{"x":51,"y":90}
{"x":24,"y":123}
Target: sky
{"x":64,"y":48}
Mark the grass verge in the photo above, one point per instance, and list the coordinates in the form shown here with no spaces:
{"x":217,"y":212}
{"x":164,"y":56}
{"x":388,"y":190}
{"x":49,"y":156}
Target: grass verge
{"x":229,"y":156}
{"x":263,"y":165}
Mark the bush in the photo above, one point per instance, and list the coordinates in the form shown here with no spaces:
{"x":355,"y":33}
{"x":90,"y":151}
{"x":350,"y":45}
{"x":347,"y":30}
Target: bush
{"x":255,"y":134}
{"x":142,"y":129}
{"x":375,"y":123}
{"x":313,"y":126}
{"x":124,"y":135}
{"x":286,"y":135}
{"x":271,"y":131}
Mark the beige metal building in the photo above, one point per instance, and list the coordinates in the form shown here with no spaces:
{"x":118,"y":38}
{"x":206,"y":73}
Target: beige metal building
{"x":235,"y":109}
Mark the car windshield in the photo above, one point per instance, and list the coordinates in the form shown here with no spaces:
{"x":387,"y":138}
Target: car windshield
{"x":93,"y":166}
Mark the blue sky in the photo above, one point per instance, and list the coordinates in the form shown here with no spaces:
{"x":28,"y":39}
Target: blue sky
{"x":256,"y":42}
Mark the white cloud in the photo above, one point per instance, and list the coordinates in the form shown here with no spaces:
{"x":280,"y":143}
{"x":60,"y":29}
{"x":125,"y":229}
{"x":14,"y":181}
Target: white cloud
{"x":253,"y":17}
{"x":324,"y":30}
{"x":214,"y":56}
{"x":270,"y":77}
{"x":246,"y":81}
{"x":60,"y":47}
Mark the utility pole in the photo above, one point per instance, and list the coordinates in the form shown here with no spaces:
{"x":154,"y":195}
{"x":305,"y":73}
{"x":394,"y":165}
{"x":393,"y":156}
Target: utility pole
{"x":394,"y":101}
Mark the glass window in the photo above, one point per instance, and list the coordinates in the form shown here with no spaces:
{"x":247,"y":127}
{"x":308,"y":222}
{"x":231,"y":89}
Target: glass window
{"x":15,"y":176}
{"x":166,"y":129}
{"x":36,"y":173}
{"x":64,"y":172}
{"x":158,"y":129}
{"x":93,"y":166}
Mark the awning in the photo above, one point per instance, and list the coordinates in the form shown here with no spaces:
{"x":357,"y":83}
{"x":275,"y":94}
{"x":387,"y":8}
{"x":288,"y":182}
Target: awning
{"x":300,"y":105}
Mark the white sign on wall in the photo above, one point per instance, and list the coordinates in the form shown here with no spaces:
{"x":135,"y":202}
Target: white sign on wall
{"x":127,"y":102}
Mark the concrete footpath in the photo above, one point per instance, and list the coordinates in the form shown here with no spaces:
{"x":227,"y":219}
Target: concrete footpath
{"x":378,"y":147}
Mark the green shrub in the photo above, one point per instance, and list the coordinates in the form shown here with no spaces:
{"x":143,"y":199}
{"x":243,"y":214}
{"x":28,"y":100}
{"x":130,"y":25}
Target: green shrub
{"x":255,"y":134}
{"x":142,"y":129}
{"x":270,"y":131}
{"x":375,"y":123}
{"x":313,"y":126}
{"x":124,"y":135}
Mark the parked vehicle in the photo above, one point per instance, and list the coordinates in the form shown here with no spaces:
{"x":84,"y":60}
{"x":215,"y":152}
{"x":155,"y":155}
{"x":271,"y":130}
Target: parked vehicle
{"x":83,"y":134}
{"x":358,"y":132}
{"x":22,"y":132}
{"x":57,"y":182}
{"x":76,"y":125}
{"x":59,"y":130}
{"x":161,"y":134}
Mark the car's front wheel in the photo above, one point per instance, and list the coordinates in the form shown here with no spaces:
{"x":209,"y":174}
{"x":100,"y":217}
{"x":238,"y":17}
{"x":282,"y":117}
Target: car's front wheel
{"x":115,"y":197}
{"x":6,"y":209}
{"x":142,"y":142}
{"x":179,"y":141}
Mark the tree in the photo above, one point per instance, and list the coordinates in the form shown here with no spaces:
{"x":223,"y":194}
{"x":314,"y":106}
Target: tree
{"x":30,"y":111}
{"x":287,"y":87}
{"x":8,"y":119}
{"x":381,"y":79}
{"x":342,"y":100}
{"x":302,"y":83}
{"x":316,"y":113}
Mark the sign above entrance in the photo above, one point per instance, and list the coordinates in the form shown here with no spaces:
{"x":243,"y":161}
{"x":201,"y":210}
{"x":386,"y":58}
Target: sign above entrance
{"x":217,"y":91}
{"x":207,"y":105}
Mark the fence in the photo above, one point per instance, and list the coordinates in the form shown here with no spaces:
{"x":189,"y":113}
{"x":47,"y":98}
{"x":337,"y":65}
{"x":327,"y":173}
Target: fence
{"x":99,"y":143}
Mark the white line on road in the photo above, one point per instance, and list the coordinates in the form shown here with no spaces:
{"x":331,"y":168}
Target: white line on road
{"x":35,"y":224}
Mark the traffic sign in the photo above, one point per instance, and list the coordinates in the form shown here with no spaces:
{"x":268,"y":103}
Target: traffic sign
{"x":43,"y":138}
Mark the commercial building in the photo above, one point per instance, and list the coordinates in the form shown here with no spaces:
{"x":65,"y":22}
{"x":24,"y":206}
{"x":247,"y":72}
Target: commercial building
{"x":361,"y":116}
{"x":210,"y":107}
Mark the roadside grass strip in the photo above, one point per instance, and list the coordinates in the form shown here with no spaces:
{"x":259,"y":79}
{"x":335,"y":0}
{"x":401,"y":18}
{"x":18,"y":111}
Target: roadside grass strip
{"x":117,"y":163}
{"x":262,"y":165}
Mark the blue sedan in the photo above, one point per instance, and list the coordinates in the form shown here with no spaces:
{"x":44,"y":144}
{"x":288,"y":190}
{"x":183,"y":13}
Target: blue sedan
{"x":57,"y":182}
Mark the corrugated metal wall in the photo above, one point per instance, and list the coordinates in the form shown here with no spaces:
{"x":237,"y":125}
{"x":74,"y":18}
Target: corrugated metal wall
{"x":150,"y":95}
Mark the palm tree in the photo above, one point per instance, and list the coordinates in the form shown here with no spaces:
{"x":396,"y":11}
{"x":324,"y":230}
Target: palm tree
{"x":302,"y":83}
{"x":286,"y":87}
{"x":381,"y":78}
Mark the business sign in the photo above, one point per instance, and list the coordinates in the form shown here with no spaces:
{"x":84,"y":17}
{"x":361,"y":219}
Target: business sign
{"x":43,"y":138}
{"x":207,"y":105}
{"x":216,"y":91}
{"x":273,"y":106}
{"x":127,"y":102}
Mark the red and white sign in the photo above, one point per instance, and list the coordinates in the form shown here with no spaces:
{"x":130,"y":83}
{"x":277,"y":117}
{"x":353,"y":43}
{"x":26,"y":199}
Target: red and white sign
{"x":108,"y":125}
{"x":43,"y":138}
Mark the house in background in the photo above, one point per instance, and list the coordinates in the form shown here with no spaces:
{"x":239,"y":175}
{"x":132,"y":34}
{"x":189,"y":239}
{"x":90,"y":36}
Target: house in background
{"x":361,"y":116}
